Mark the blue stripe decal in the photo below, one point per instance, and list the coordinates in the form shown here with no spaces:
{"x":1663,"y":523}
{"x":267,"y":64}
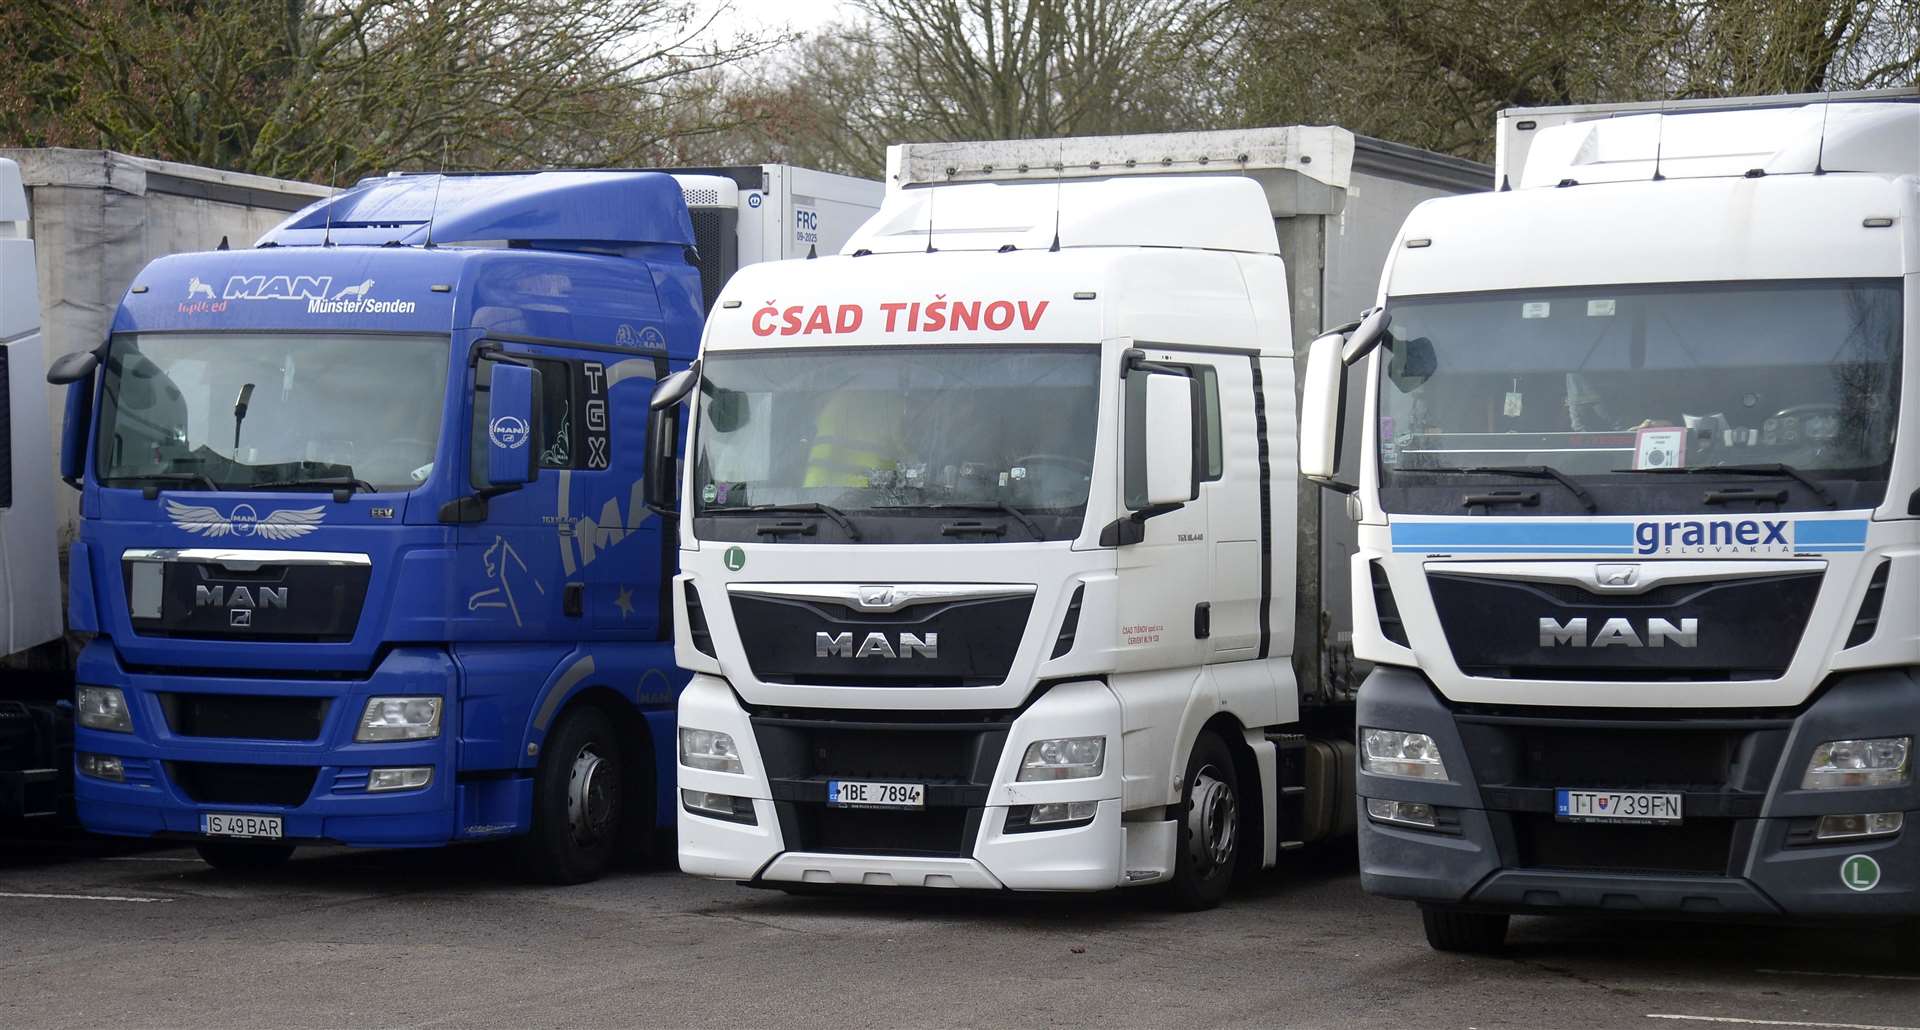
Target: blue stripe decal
{"x":1830,"y":534}
{"x":1514,"y":536}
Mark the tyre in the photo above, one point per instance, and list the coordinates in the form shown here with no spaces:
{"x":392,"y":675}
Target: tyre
{"x":579,"y":799}
{"x":1209,"y":825}
{"x":244,"y":858}
{"x":1472,"y":933}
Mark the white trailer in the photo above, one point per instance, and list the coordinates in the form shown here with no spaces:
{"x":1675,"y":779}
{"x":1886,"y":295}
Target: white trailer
{"x":1640,"y":522}
{"x":990,"y":539}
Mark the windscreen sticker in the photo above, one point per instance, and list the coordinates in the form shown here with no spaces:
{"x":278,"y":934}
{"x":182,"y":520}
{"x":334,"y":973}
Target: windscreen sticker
{"x":1536,"y":309}
{"x":1663,"y":538}
{"x":1600,"y":308}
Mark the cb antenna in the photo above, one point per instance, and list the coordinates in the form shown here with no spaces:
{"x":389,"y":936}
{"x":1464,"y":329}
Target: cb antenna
{"x":333,"y":194}
{"x":1059,"y":177}
{"x":433,"y":209}
{"x":1659,"y":137}
{"x":933,"y":193}
{"x":1820,"y":152}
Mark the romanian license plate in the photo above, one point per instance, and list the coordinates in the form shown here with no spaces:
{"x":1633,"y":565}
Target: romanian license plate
{"x":217,"y":824}
{"x":863,"y":794}
{"x":1616,"y":806}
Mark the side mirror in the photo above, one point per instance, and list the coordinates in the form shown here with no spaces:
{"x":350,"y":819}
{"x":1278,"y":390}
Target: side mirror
{"x":675,"y":388}
{"x":512,"y":458}
{"x":1322,"y":398}
{"x":1169,"y":440}
{"x":660,"y":483}
{"x":1370,"y":334}
{"x":76,"y":425}
{"x":68,"y":369}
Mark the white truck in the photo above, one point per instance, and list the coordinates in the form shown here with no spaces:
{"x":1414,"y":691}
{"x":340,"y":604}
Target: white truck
{"x":989,"y":528}
{"x":1640,"y":521}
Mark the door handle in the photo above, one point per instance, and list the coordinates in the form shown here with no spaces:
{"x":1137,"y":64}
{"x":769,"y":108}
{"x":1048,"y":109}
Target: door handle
{"x":573,"y":600}
{"x":1202,"y":620}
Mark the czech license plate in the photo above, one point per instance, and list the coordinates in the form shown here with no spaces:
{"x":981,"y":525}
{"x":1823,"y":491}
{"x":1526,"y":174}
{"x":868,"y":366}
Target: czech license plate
{"x":217,"y":824}
{"x":1616,"y":806}
{"x":863,"y":794}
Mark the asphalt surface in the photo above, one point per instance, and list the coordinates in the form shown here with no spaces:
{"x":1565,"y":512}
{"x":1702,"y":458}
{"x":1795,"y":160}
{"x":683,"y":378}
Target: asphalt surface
{"x":98,"y":934}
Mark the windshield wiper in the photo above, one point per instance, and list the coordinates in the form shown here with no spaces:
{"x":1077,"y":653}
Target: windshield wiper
{"x":347,"y":483}
{"x":1525,"y":472}
{"x":200,"y":479}
{"x":1775,"y":469}
{"x":802,"y":508}
{"x":1000,"y":506}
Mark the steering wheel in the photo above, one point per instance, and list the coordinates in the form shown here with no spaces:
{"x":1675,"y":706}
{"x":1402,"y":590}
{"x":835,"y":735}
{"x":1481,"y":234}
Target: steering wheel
{"x":1043,"y":458}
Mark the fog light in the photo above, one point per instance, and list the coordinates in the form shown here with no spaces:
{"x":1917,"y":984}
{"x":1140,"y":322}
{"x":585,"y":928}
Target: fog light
{"x":1878,"y":762}
{"x":1853,"y":827}
{"x":1064,"y":758}
{"x":1401,"y":813}
{"x":719,"y":806}
{"x":102,"y":708}
{"x":1409,"y":756}
{"x":399,"y":718}
{"x":101,"y":767}
{"x":1063,"y":812}
{"x":710,"y":750}
{"x":411,"y":777}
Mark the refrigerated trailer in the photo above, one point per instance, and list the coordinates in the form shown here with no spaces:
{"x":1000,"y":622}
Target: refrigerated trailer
{"x":77,"y":226}
{"x":1640,"y":521}
{"x":992,"y":556}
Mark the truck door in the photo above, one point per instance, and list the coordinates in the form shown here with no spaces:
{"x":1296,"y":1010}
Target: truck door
{"x":1166,"y":571}
{"x":1231,"y":485}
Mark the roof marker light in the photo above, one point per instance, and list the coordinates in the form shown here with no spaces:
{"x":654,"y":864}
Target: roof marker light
{"x":729,"y":304}
{"x":1419,"y":242}
{"x":441,"y":287}
{"x":1878,"y":222}
{"x":1083,"y":295}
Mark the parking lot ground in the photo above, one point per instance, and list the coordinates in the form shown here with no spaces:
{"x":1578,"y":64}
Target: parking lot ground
{"x":100,"y":933}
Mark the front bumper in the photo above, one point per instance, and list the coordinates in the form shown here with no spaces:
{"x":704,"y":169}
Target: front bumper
{"x":960,"y":840}
{"x":317,"y":786}
{"x":1743,"y":849}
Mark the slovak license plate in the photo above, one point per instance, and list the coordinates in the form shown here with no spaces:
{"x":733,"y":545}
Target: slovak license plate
{"x":864,"y":794}
{"x":219,"y":824}
{"x":1616,"y":806}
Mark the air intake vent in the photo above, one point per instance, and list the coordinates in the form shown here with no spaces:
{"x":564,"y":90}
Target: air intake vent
{"x":1869,"y":618}
{"x":1384,"y":606}
{"x":1071,"y":624}
{"x":697,"y":623}
{"x":701,"y":197}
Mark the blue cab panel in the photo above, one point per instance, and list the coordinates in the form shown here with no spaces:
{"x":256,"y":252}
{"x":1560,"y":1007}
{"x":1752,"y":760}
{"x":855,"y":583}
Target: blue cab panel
{"x":328,"y":596}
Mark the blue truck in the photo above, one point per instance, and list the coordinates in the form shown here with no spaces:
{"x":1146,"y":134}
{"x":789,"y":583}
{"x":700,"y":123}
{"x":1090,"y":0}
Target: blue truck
{"x":362,"y":548}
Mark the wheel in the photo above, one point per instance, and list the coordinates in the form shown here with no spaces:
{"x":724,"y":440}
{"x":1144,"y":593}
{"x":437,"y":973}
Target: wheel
{"x":244,"y":858}
{"x":1473,"y":933}
{"x":1207,"y":846}
{"x":578,"y":799}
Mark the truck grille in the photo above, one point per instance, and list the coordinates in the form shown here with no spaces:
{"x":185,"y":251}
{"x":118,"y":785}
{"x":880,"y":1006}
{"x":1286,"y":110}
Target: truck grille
{"x":1672,"y":754}
{"x":207,"y":600}
{"x":1702,"y":847}
{"x":953,"y":753}
{"x":245,"y":717}
{"x":977,"y":640}
{"x":222,"y":783}
{"x":1747,"y":629}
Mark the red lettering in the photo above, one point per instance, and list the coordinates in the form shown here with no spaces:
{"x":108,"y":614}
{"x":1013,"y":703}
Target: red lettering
{"x":893,"y":309}
{"x":763,"y":320}
{"x":913,"y":317}
{"x":850,"y":316}
{"x":966,"y":314}
{"x":791,"y":320}
{"x":1030,"y":316}
{"x":999,"y":315}
{"x":936,"y":316}
{"x":819,"y":321}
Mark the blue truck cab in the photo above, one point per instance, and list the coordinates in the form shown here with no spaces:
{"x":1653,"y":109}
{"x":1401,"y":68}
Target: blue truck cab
{"x":362,"y":546}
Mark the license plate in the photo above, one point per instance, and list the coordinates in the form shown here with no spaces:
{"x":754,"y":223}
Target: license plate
{"x":1617,"y":806}
{"x":862,"y":794}
{"x":217,"y":824}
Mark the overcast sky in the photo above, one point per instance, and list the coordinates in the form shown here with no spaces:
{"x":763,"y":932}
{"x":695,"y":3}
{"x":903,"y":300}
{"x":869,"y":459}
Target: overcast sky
{"x":802,"y":15}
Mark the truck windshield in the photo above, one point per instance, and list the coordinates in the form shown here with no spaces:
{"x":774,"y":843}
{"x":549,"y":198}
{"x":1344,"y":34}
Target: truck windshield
{"x":1608,"y":383}
{"x":904,"y":443}
{"x":239,"y":411}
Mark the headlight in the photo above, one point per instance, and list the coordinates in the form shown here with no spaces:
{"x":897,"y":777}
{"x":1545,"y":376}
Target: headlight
{"x":103,"y":708}
{"x":1064,"y":758}
{"x":1880,"y":762}
{"x":399,"y":718}
{"x":1410,"y":756}
{"x":710,"y":750}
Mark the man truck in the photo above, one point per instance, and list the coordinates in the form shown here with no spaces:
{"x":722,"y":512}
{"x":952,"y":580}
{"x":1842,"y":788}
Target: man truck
{"x":1639,"y":516}
{"x":89,"y":220}
{"x":988,"y":523}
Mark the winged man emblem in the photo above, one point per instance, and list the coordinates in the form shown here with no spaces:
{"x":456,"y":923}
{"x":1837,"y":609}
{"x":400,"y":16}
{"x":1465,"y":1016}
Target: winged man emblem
{"x":244,"y":520}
